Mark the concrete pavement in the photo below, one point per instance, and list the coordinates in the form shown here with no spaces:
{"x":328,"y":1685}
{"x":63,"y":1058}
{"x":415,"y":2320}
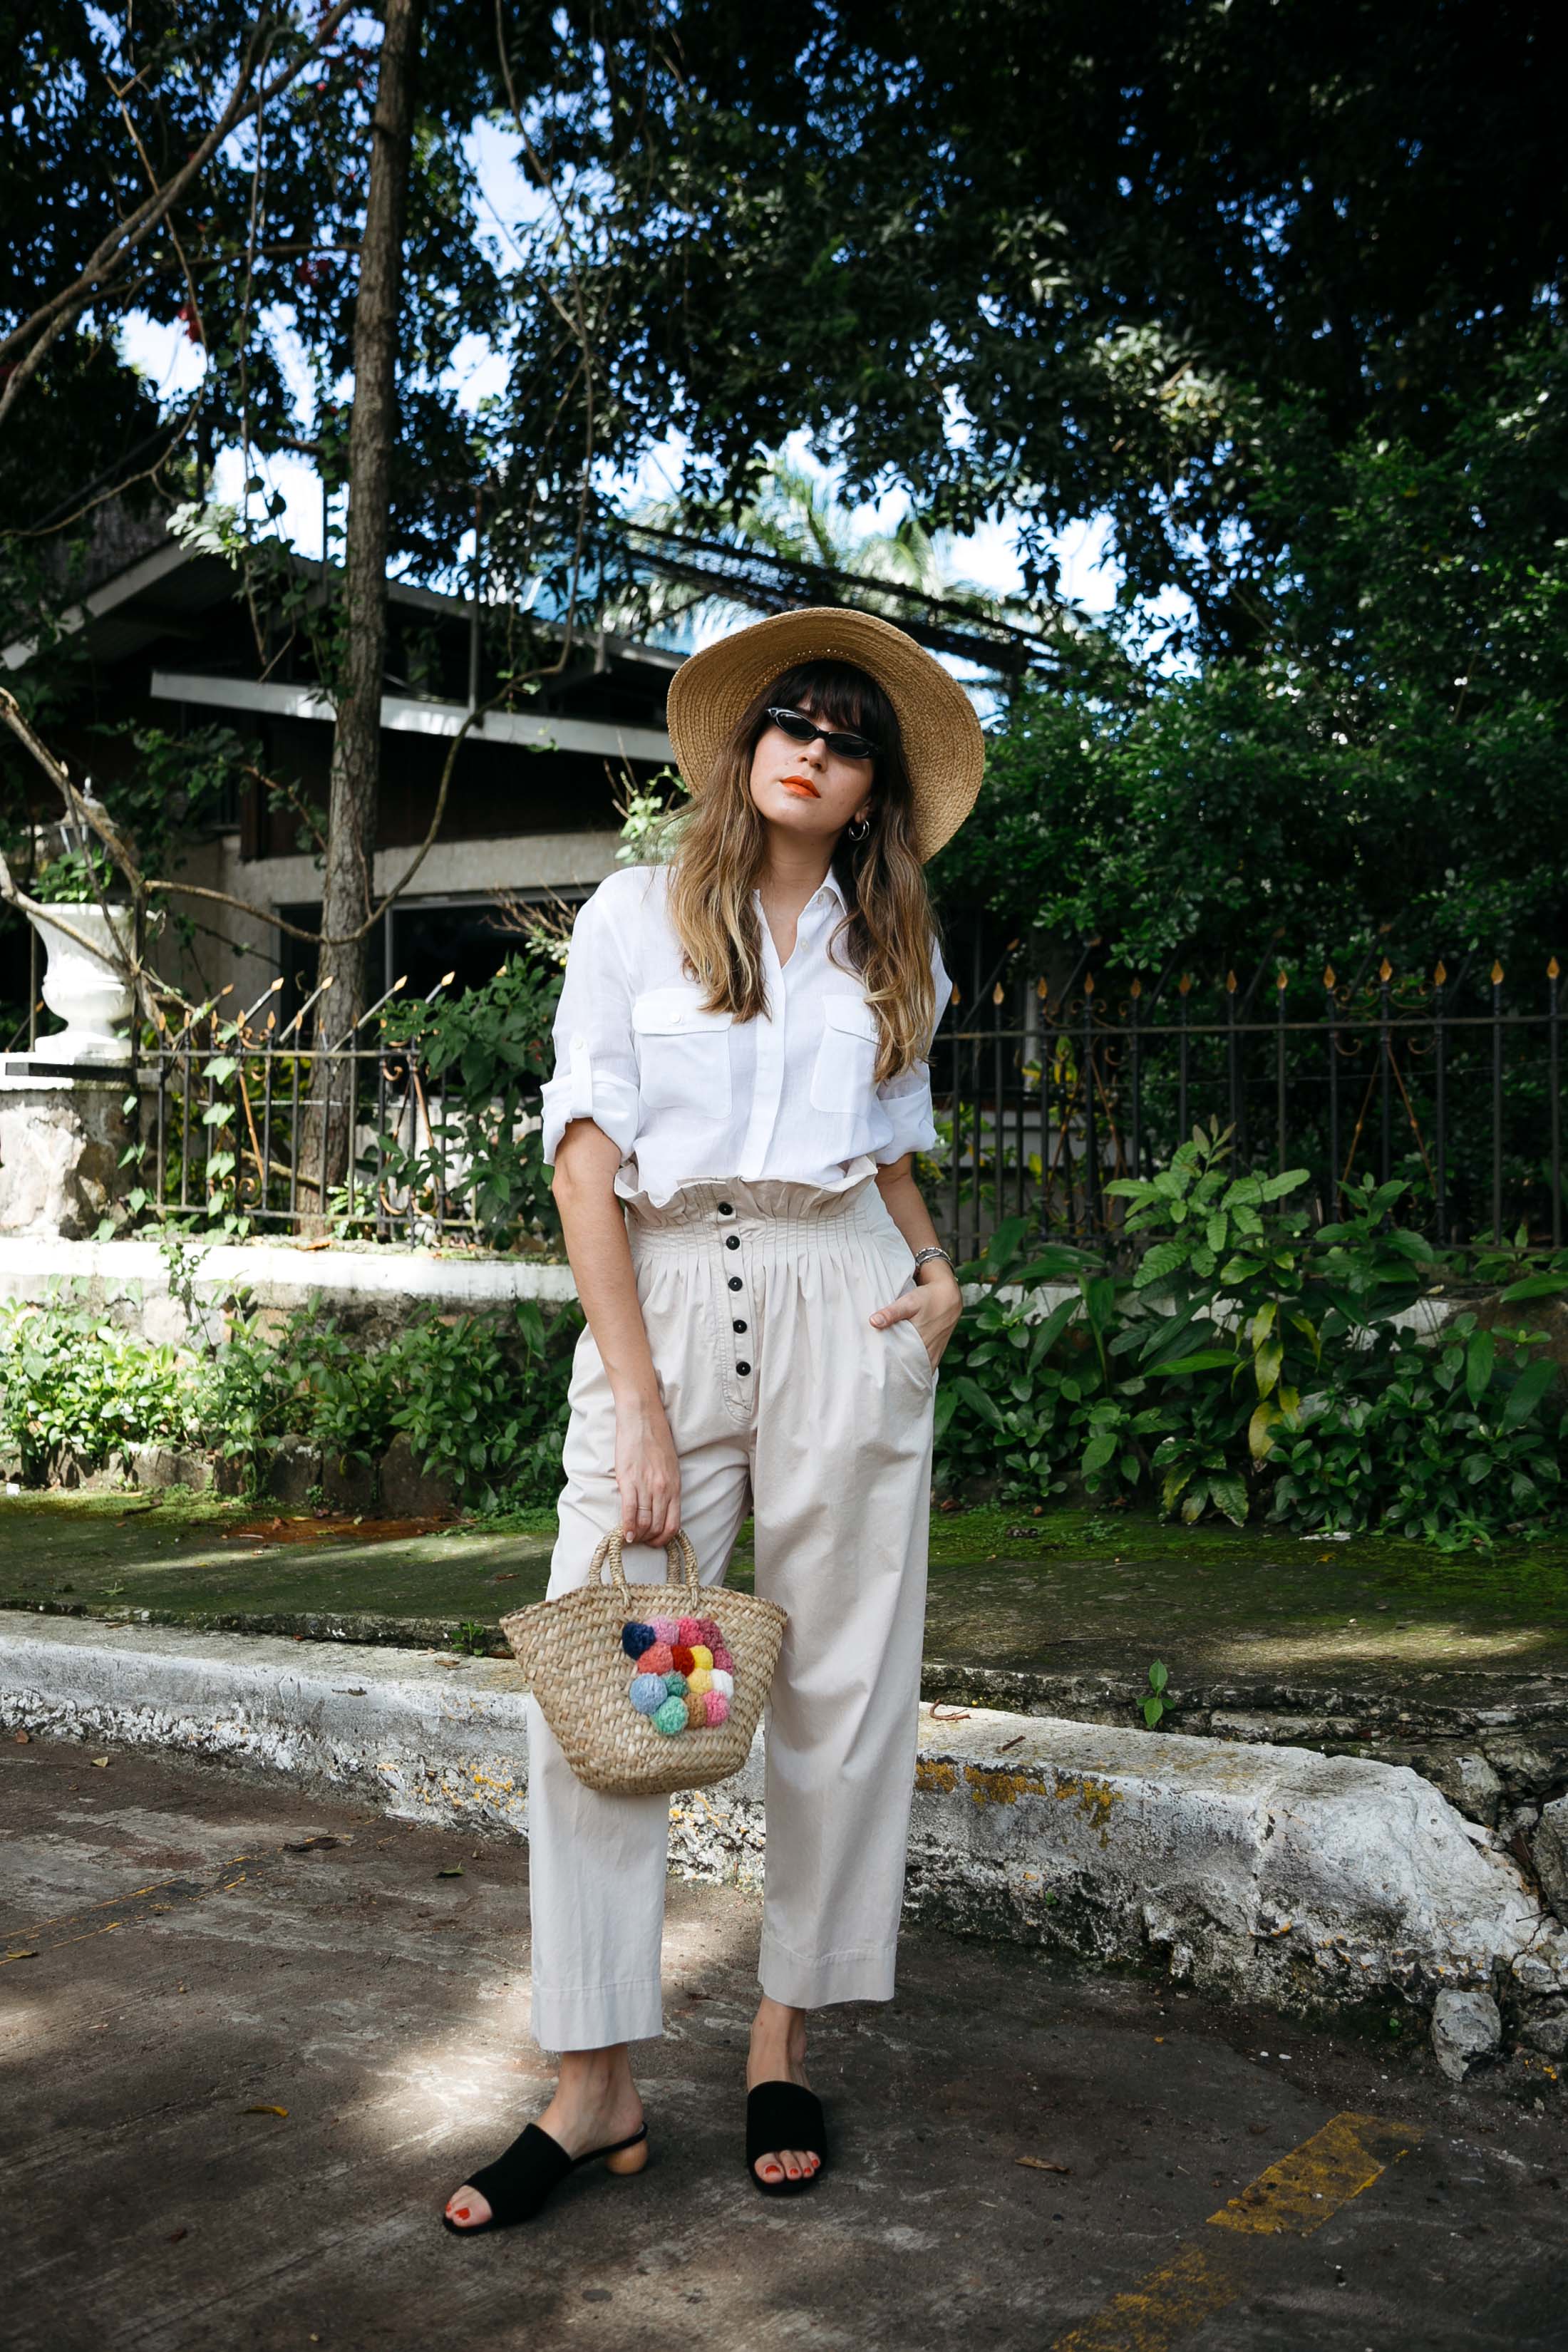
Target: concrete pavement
{"x":1274,"y":1874}
{"x":1025,"y":2156}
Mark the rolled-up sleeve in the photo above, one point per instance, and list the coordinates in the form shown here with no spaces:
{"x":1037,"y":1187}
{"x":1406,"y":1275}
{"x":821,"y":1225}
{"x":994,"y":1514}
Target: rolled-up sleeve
{"x":595,"y":1074}
{"x":906,"y":1099}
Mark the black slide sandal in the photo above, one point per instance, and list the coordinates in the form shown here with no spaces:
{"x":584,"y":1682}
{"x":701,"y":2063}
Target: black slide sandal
{"x":780,"y":2116}
{"x":517,"y":2184}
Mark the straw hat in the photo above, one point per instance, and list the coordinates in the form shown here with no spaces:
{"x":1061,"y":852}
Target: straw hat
{"x":944,"y":746}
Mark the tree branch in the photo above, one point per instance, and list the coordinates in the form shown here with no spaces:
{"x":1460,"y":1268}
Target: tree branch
{"x":34,"y":334}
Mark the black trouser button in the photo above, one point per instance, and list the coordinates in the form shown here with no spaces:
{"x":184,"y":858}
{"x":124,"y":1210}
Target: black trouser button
{"x":742,"y":1369}
{"x":725,"y":1210}
{"x":733,"y":1241}
{"x":737,"y":1326}
{"x":734,"y":1282}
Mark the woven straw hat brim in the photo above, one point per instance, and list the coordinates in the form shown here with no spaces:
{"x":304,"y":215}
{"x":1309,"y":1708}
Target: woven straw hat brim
{"x":944,"y":746}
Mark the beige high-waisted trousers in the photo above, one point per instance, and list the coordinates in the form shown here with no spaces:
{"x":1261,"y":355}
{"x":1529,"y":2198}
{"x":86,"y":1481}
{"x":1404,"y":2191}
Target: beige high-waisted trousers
{"x":784,"y":1399}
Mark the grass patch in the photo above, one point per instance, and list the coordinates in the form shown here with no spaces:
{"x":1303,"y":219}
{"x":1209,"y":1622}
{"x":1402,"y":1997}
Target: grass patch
{"x":1070,"y":1590}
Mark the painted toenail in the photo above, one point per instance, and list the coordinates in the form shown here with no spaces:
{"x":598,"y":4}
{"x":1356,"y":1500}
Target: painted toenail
{"x":461,"y":2214}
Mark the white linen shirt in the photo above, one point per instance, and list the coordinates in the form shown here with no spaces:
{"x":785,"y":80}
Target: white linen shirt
{"x":690,"y":1095}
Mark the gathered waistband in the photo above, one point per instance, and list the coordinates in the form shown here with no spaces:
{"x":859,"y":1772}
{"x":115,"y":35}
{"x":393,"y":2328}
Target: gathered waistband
{"x":693,"y":1213}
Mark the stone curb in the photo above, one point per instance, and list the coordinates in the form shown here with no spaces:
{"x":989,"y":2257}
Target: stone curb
{"x":1266,"y":1873}
{"x":1494,"y":1764}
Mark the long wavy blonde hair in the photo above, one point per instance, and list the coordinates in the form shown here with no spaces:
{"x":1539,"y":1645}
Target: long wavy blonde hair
{"x":885,"y":939}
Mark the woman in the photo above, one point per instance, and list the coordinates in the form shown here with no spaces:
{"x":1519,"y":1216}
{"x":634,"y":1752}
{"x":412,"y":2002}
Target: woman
{"x":739,"y":1089}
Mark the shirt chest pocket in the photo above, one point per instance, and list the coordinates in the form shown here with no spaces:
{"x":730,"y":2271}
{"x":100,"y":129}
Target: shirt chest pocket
{"x":683,"y":1053}
{"x":844,"y":1073}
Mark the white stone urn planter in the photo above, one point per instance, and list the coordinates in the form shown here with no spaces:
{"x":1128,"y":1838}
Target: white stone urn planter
{"x":85,"y":985}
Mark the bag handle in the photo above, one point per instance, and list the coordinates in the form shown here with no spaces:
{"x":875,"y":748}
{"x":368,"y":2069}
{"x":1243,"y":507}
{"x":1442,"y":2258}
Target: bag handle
{"x":677,"y":1556}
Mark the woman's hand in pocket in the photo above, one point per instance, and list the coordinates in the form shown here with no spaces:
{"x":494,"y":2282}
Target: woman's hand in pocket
{"x":933,"y":1307}
{"x":648,"y":1471}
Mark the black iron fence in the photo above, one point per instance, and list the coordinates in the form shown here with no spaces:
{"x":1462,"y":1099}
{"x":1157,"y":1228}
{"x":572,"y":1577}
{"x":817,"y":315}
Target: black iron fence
{"x":296,"y":1128}
{"x":1447,"y":1081}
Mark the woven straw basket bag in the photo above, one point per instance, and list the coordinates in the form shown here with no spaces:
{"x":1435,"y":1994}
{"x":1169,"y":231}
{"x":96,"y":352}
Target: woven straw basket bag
{"x":637,"y":1714}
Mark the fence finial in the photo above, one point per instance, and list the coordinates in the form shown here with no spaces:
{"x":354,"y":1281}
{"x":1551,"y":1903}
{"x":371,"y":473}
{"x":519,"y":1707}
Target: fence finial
{"x":1282,"y":978}
{"x":998,"y":994}
{"x":1497,"y":975}
{"x":1385,"y":972}
{"x":1232,"y":983}
{"x":1329,"y":980}
{"x":1553,"y":968}
{"x":1440,"y":977}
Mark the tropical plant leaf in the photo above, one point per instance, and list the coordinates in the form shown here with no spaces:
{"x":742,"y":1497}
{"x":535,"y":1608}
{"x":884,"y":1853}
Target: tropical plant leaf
{"x":1479,"y":1359}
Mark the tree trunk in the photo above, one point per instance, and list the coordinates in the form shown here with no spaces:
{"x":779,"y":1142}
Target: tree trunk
{"x":348,"y":884}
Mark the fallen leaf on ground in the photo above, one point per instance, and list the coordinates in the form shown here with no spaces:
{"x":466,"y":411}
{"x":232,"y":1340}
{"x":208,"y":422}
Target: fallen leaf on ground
{"x":455,"y":1870}
{"x":267,"y":2111}
{"x":314,"y":1844}
{"x":21,"y":1956}
{"x":1041,"y":2164}
{"x":101,"y":1763}
{"x":175,"y":2235}
{"x":23,"y":1738}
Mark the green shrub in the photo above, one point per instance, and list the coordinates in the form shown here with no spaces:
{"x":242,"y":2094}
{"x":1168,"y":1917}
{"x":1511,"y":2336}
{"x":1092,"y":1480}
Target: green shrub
{"x":73,"y":1384}
{"x":1252,"y":1366}
{"x":484,"y":1409}
{"x":484,"y":1406}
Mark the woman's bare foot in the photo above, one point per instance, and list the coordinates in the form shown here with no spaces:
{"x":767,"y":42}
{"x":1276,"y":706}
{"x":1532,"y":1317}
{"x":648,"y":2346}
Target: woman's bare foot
{"x":595,"y":2103}
{"x":777,"y":2055}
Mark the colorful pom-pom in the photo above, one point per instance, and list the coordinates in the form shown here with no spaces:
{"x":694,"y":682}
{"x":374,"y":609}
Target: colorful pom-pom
{"x":688,"y":1630}
{"x":676,"y":1684}
{"x":702,"y":1655}
{"x":700,"y":1678}
{"x":658,"y":1659}
{"x":635,"y":1639}
{"x":683,"y":1658}
{"x":722,"y":1682}
{"x":665,"y":1629}
{"x":649,"y":1693}
{"x":721,"y":1658}
{"x":670,"y":1717}
{"x":707,"y":1631}
{"x":716,"y":1706}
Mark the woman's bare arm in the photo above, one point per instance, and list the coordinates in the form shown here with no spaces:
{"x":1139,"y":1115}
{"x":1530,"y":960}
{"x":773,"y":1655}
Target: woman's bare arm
{"x":646,"y":1471}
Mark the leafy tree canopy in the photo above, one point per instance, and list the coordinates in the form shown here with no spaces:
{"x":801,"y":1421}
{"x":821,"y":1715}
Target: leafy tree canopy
{"x":1073,"y":259}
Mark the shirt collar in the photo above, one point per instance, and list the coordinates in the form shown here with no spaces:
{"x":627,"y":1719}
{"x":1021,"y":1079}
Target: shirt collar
{"x":830,"y":894}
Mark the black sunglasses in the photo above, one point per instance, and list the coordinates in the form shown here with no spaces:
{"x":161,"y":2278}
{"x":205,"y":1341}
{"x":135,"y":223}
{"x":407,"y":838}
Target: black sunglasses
{"x":802,"y":729}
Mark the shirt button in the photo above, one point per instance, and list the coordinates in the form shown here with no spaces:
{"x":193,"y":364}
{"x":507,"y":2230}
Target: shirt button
{"x":734,"y":1282}
{"x":725,"y":1209}
{"x":737,"y":1326}
{"x":742,"y":1369}
{"x":733,"y":1241}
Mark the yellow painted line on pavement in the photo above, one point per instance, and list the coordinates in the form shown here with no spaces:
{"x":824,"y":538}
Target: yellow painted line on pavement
{"x":1290,"y":2198}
